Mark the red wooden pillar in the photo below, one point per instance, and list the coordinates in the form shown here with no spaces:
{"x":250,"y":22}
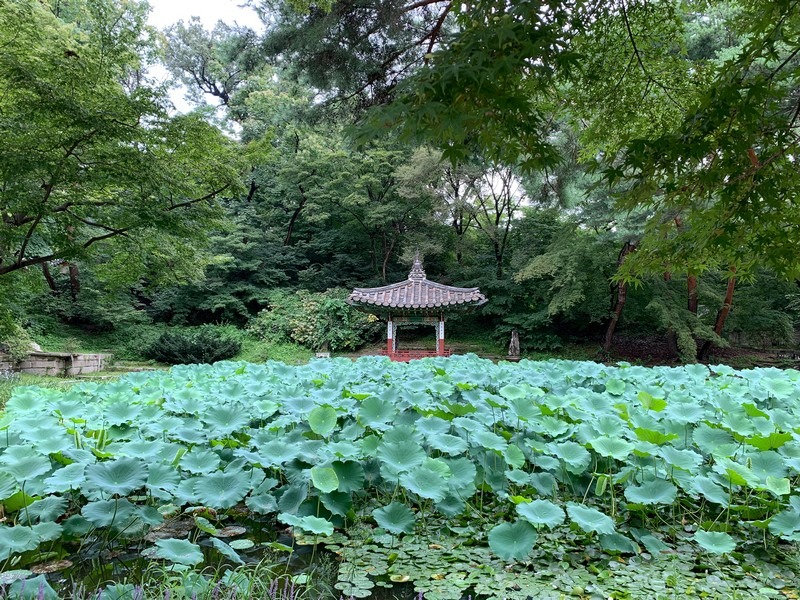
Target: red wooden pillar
{"x":390,"y":338}
{"x":440,"y":337}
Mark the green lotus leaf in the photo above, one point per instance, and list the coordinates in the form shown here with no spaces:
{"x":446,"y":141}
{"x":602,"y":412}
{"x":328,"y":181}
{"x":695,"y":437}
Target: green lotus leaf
{"x":618,"y":543}
{"x":401,"y":456}
{"x":200,"y":461}
{"x":712,"y":440}
{"x":766,"y":464}
{"x":654,"y":437}
{"x":715,"y":542}
{"x":263,"y":504}
{"x":149,"y":515}
{"x":490,"y":441}
{"x":590,"y":519}
{"x":778,"y":388}
{"x":612,"y":447}
{"x":8,"y":485}
{"x":25,"y":400}
{"x":37,"y":588}
{"x":311,"y":524}
{"x":431,"y":427}
{"x":226,"y":551}
{"x":242,"y":544}
{"x":277,"y":453}
{"x":76,"y":526}
{"x":48,"y":531}
{"x":711,"y":490}
{"x":524,"y":409}
{"x":224,"y":420}
{"x":448,"y":444}
{"x":686,"y":460}
{"x":324,"y":479}
{"x":104,"y":513}
{"x":16,"y":540}
{"x":513,"y":392}
{"x":778,"y":486}
{"x":576,"y":457}
{"x":541,"y":512}
{"x":615,"y":387}
{"x":657,"y":491}
{"x":769,"y":442}
{"x":375,"y":412}
{"x":46,"y":509}
{"x":222,"y":489}
{"x":512,"y":541}
{"x":785,"y":523}
{"x":339,"y":503}
{"x":162,"y":477}
{"x":23,"y":464}
{"x":350,"y":474}
{"x":121,"y":412}
{"x":395,"y":518}
{"x":66,"y":478}
{"x":182,"y":552}
{"x":322,"y":420}
{"x":121,"y":476}
{"x":292,"y":496}
{"x":425,"y":482}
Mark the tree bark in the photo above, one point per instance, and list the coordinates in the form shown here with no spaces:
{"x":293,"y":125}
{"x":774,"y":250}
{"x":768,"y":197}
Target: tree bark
{"x":622,"y":296}
{"x":51,"y":283}
{"x":722,"y":315}
{"x":691,"y":288}
{"x":74,"y":281}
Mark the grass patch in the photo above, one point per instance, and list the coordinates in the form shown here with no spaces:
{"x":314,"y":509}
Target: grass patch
{"x":258,"y":351}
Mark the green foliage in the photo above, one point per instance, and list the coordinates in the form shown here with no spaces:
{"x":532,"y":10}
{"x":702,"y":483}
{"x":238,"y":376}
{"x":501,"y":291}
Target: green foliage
{"x":16,"y":342}
{"x":70,"y":99}
{"x":314,"y":320}
{"x":203,"y":345}
{"x":573,"y":451}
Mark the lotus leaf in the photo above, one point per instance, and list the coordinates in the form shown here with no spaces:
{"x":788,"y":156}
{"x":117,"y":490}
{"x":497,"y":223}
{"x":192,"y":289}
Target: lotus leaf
{"x":590,"y":519}
{"x":512,"y":541}
{"x":182,"y":552}
{"x":226,"y":551}
{"x":715,"y":542}
{"x":309,"y":523}
{"x":222,"y":490}
{"x":117,"y":477}
{"x":541,"y":512}
{"x":395,"y":518}
{"x":324,"y":479}
{"x":657,"y":491}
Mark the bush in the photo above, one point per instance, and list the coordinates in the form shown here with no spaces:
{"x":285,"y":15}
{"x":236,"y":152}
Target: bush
{"x":204,"y":345}
{"x":314,"y":320}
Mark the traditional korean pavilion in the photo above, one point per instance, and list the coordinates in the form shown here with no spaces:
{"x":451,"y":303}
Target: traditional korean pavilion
{"x":415,"y":301}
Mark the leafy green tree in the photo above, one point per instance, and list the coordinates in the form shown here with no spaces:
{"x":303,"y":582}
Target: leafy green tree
{"x":87,"y":149}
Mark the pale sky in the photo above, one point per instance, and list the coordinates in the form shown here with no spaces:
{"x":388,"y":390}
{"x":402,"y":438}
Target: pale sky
{"x":166,"y":12}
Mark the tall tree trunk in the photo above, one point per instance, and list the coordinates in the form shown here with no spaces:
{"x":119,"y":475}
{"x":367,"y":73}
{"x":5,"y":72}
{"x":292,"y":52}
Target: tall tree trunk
{"x":288,"y":239}
{"x":386,"y":255}
{"x":74,"y":281}
{"x":691,"y":289}
{"x":51,"y":283}
{"x":722,"y":315}
{"x":622,"y":296}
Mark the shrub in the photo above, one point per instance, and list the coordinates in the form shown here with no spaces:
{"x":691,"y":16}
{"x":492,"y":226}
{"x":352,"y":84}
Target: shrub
{"x":203,"y":345}
{"x":16,"y":342}
{"x":314,"y":320}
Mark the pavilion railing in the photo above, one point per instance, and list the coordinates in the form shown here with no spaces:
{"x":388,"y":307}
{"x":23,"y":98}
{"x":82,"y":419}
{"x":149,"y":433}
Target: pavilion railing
{"x":413,"y":354}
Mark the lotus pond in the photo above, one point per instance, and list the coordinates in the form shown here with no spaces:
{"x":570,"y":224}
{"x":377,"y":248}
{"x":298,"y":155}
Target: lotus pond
{"x":445,"y":477}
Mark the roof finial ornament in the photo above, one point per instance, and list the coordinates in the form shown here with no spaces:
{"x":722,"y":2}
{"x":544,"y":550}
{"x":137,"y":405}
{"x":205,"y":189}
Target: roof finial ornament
{"x":417,"y":272}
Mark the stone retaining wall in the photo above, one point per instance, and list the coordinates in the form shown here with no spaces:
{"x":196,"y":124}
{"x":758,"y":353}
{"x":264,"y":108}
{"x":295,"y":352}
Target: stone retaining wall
{"x":55,"y":363}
